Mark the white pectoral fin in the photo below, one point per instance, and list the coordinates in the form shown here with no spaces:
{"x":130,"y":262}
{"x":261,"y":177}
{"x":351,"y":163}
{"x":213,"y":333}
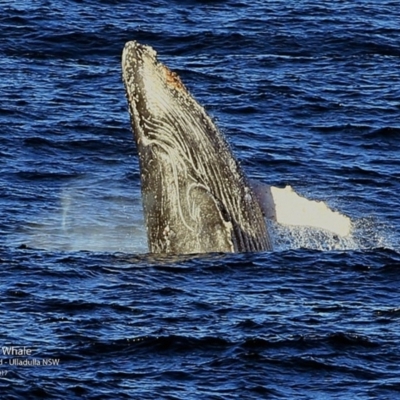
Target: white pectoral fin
{"x":286,"y":207}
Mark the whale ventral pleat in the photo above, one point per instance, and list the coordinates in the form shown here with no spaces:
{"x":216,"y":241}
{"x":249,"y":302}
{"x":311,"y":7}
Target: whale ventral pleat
{"x":193,"y":190}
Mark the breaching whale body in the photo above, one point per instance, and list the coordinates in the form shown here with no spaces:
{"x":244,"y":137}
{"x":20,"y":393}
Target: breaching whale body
{"x":196,"y":198}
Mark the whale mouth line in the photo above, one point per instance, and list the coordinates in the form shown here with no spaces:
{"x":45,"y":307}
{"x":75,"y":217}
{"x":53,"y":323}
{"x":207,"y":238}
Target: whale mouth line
{"x":131,"y":58}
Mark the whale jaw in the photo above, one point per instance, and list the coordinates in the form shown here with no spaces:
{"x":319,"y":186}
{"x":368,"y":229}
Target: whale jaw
{"x":196,"y":199}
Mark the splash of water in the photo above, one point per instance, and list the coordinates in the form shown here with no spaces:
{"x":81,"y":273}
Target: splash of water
{"x":92,"y":219}
{"x":301,"y":223}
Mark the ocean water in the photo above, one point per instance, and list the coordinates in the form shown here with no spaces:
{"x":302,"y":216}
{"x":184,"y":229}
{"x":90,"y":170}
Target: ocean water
{"x":308,"y":95}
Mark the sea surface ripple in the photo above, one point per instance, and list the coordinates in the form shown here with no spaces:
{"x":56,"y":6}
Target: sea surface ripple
{"x":307,"y":94}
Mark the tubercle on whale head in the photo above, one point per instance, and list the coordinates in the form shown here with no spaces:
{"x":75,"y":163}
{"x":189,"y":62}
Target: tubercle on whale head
{"x":140,"y":68}
{"x":173,"y":79}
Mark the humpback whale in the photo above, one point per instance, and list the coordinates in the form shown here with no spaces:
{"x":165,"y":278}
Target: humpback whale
{"x":196,"y":197}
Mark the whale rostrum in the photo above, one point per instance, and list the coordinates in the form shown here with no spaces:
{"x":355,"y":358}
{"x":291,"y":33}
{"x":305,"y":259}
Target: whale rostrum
{"x":196,"y":198}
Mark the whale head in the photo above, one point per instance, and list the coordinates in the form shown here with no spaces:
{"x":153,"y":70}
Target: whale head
{"x":196,"y":198}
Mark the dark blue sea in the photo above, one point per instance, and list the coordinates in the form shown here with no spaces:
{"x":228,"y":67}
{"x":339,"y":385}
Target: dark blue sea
{"x":308,"y":95}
